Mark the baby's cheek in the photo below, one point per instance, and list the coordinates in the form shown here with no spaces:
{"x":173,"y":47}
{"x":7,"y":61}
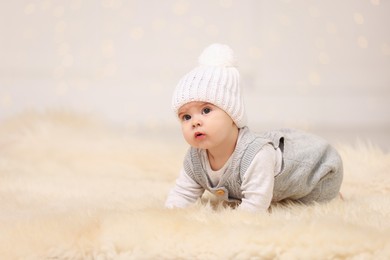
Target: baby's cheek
{"x":187,"y":137}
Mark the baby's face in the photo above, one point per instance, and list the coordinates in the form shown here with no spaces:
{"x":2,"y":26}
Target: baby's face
{"x":204,"y":125}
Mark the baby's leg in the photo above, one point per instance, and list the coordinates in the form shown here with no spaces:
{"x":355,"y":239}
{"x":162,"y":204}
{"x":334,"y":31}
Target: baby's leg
{"x":327,"y":188}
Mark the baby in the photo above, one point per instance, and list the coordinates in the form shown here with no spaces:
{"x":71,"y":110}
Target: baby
{"x":235,"y":164}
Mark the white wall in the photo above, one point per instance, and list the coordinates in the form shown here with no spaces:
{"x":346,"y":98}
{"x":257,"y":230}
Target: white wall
{"x":303,"y":63}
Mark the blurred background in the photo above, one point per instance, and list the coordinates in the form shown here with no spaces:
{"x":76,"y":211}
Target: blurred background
{"x":323,"y":66}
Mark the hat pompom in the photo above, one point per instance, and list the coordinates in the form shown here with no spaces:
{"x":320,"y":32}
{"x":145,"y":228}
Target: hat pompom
{"x":217,"y":55}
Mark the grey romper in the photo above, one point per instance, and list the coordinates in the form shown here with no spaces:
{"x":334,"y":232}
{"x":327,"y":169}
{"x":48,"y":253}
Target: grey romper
{"x":312,"y":169}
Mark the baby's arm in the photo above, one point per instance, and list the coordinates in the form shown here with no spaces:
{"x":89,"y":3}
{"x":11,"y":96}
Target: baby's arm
{"x":185,"y":192}
{"x":258,"y":182}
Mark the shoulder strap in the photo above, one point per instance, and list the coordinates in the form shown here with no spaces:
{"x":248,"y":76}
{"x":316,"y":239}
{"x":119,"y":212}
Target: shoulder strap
{"x":193,"y":167}
{"x":256,"y":143}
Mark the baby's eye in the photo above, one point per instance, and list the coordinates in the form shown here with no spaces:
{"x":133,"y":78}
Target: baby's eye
{"x":186,"y":117}
{"x":206,"y":110}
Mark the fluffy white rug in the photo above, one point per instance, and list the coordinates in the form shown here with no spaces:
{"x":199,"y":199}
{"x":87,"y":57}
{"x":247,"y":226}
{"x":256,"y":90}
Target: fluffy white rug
{"x":72,"y":188}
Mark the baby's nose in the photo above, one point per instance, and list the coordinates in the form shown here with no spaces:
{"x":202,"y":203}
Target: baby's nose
{"x":196,"y":122}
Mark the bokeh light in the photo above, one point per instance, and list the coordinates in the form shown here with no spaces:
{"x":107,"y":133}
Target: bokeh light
{"x":29,"y":8}
{"x":323,"y":58}
{"x":362,"y":42}
{"x":358,"y":17}
{"x":180,"y":7}
{"x":314,"y":78}
{"x":5,"y":101}
{"x":137,"y":33}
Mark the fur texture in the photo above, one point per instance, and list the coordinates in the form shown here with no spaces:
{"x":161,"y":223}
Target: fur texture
{"x":72,"y":188}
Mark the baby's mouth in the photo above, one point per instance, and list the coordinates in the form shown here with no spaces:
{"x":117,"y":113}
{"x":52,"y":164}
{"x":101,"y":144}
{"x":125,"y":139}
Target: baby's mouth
{"x":199,"y":134}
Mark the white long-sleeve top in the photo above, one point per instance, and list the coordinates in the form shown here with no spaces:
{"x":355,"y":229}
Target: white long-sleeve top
{"x":257,"y":184}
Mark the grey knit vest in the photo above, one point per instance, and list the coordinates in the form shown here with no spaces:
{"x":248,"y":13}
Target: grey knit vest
{"x":311,"y":168}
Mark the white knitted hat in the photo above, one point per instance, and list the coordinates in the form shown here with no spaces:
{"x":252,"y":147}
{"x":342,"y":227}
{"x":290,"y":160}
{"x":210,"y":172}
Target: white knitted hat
{"x":215,"y":81}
